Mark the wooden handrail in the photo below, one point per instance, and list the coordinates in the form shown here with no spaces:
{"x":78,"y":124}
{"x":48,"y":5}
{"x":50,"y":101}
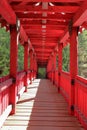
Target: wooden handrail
{"x":4,"y":85}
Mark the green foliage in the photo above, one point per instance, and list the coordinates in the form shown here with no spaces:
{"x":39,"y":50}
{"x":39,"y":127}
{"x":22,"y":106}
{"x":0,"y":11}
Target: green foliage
{"x":4,"y":52}
{"x":82,"y":54}
{"x":20,"y":57}
{"x":41,"y":73}
{"x":66,"y":58}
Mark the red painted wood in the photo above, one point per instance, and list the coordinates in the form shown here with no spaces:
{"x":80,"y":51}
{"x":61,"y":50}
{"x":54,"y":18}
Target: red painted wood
{"x":54,"y":67}
{"x":23,"y":34}
{"x":73,"y":65}
{"x":65,"y":1}
{"x":13,"y":65}
{"x":56,"y":78}
{"x":7,"y":12}
{"x":13,"y":51}
{"x":4,"y":85}
{"x":4,"y":78}
{"x":80,"y":100}
{"x":31,"y":66}
{"x":45,"y":28}
{"x":60,"y":46}
{"x":65,"y":85}
{"x":80,"y":16}
{"x":26,"y":55}
{"x":4,"y":95}
{"x":57,"y":9}
{"x":20,"y":82}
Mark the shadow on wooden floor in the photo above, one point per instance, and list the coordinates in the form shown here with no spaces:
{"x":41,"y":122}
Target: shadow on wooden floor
{"x":42,"y":108}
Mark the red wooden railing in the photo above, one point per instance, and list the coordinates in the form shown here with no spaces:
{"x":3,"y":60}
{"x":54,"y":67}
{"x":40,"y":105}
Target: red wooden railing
{"x":4,"y":78}
{"x":56,"y":78}
{"x":4,"y":94}
{"x":65,"y":85}
{"x":20,"y":80}
{"x":5,"y":84}
{"x":81,"y":100}
{"x":4,"y":98}
{"x":80,"y":93}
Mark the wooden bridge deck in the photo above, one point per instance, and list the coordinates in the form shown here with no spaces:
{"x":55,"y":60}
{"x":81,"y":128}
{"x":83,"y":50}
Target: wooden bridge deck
{"x":41,"y":108}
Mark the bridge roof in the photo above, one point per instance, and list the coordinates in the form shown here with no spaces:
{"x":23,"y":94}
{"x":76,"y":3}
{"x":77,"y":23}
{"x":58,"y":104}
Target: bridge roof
{"x":44,"y":22}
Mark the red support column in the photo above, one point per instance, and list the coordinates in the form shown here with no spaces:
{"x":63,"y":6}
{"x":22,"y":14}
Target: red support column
{"x":31,"y":65}
{"x":13,"y":65}
{"x":60,"y":46}
{"x":54,"y":68}
{"x":26,"y":54}
{"x":49,"y":69}
{"x":73,"y":68}
{"x":35,"y":75}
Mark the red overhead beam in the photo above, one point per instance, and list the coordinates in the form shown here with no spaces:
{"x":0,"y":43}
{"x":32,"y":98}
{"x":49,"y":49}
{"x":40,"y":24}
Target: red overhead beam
{"x":47,"y":27}
{"x":54,"y":34}
{"x":71,"y":1}
{"x":57,"y":9}
{"x":46,"y":45}
{"x":45,"y":54}
{"x":81,"y":15}
{"x":39,"y":22}
{"x":79,"y":18}
{"x":39,"y":16}
{"x":46,"y":50}
{"x":42,"y":57}
{"x":9,"y":15}
{"x":23,"y":34}
{"x":49,"y":32}
{"x":7,"y":12}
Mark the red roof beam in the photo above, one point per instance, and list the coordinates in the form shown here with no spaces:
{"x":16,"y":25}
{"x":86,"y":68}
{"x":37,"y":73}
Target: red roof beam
{"x":71,"y":1}
{"x":28,"y":28}
{"x":23,"y":34}
{"x":81,"y":15}
{"x":57,"y":9}
{"x":79,"y":18}
{"x":7,"y":12}
{"x":48,"y":27}
{"x":39,"y":22}
{"x":34,"y":16}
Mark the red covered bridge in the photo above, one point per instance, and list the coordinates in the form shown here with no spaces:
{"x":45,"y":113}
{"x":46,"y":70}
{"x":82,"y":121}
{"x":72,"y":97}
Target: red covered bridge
{"x":43,"y":28}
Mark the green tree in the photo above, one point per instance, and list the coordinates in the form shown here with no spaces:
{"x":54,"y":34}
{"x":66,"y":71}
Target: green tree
{"x":4,"y":52}
{"x":41,"y":73}
{"x":66,"y":58}
{"x":82,"y":54}
{"x":20,"y":57}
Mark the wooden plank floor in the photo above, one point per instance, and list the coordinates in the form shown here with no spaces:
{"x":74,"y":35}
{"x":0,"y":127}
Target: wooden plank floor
{"x":41,"y":108}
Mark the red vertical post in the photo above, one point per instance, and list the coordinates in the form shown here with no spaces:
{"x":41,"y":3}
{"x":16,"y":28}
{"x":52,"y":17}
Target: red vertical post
{"x":13,"y":65}
{"x":31,"y":65}
{"x":26,"y":54}
{"x":50,"y":65}
{"x":73,"y":68}
{"x":60,"y":47}
{"x":54,"y":68}
{"x":35,"y":68}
